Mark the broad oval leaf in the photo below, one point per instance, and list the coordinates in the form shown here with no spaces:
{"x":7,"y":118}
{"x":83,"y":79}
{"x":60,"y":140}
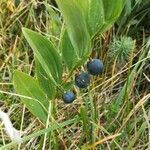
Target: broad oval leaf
{"x":45,"y":82}
{"x":27,"y":86}
{"x":68,"y":52}
{"x":102,"y":14}
{"x":112,"y":10}
{"x":46,"y":54}
{"x":76,"y":26}
{"x":95,"y":16}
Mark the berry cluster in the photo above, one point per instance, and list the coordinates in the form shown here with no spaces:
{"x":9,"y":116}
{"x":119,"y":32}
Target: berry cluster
{"x":82,"y":79}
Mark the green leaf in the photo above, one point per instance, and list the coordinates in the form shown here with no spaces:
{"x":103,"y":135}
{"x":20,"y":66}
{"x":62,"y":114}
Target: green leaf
{"x":83,"y":6}
{"x":68,"y":52}
{"x":45,"y":82}
{"x":27,"y":86}
{"x":46,"y":54}
{"x":102,"y":14}
{"x":112,"y":10}
{"x":76,"y":26}
{"x":95,"y":16}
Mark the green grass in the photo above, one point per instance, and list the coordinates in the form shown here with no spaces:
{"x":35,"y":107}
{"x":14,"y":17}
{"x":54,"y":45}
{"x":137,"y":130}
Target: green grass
{"x":114,"y":113}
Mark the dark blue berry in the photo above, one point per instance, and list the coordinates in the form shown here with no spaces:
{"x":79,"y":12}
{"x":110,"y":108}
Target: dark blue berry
{"x":68,"y":97}
{"x":82,"y":80}
{"x":95,"y":67}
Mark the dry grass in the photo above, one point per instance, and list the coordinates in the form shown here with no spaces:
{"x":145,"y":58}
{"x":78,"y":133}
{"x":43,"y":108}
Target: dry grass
{"x":97,"y":118}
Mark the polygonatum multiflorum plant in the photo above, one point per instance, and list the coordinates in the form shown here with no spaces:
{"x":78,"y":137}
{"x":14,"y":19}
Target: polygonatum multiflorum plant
{"x":83,"y":20}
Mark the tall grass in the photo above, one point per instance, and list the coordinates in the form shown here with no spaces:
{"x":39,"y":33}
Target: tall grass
{"x":113,"y":113}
